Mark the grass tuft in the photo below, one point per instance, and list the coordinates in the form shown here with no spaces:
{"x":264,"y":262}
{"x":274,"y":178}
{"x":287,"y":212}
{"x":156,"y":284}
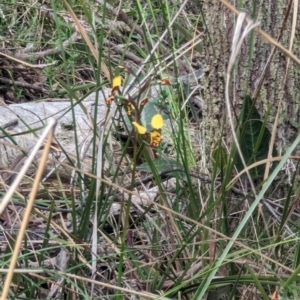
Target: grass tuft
{"x":134,"y":202}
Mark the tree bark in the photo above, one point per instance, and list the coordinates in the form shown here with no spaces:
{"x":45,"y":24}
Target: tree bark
{"x":219,"y":29}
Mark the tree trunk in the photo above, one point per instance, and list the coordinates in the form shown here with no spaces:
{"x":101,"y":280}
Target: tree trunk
{"x":219,"y":29}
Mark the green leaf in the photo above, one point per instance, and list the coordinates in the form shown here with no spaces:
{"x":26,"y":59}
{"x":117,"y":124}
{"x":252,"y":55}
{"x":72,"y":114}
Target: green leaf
{"x":254,"y":138}
{"x":147,"y":114}
{"x":161,"y":165}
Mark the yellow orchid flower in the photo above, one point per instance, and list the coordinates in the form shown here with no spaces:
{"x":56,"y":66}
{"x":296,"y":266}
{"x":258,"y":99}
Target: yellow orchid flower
{"x":154,"y":136}
{"x":116,"y":81}
{"x":141,"y":129}
{"x":157,"y":121}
